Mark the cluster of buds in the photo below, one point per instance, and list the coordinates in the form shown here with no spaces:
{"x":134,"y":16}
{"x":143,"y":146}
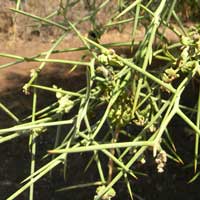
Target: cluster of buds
{"x":190,"y":51}
{"x":188,"y":59}
{"x":109,"y":57}
{"x":107,"y":196}
{"x":161,"y":160}
{"x":65,"y":104}
{"x":120,"y":113}
{"x":169,"y":75}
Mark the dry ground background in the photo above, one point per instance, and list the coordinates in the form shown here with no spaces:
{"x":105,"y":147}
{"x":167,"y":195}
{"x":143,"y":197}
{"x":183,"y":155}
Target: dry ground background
{"x":18,"y":37}
{"x":22,"y":36}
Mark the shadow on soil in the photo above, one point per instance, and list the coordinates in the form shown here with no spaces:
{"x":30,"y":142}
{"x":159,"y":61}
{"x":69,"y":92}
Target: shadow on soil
{"x":15,"y":157}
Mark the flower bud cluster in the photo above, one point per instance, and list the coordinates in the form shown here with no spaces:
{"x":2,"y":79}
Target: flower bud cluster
{"x":161,"y":160}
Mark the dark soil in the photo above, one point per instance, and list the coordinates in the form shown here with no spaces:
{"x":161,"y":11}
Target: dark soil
{"x":15,"y":157}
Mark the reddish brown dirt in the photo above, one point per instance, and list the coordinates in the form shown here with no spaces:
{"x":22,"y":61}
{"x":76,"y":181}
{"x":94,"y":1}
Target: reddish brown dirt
{"x":9,"y":76}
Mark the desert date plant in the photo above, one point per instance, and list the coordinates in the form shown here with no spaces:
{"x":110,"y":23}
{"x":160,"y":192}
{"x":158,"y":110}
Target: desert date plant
{"x":119,"y":92}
